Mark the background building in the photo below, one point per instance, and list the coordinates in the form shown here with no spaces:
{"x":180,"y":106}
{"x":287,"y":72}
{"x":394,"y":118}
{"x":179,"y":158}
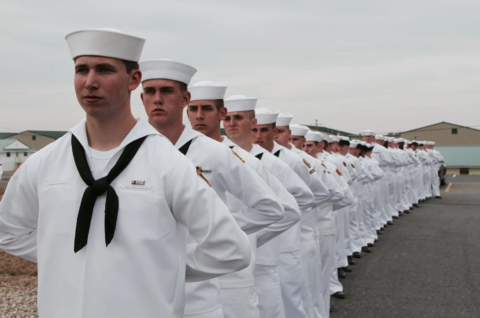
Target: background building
{"x":459,"y":145}
{"x":36,"y":139}
{"x":445,"y":134}
{"x":13,"y":152}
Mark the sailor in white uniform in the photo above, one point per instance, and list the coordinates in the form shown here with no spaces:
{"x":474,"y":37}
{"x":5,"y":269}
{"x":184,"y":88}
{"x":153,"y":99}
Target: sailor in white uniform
{"x":325,"y":227}
{"x":418,"y":172}
{"x":437,"y":160}
{"x":105,"y":209}
{"x":310,"y":256}
{"x":348,"y":162}
{"x":205,"y":111}
{"x":164,"y":96}
{"x":290,"y":257}
{"x":238,"y":125}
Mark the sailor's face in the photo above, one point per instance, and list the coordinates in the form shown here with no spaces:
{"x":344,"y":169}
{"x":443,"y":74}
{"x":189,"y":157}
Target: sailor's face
{"x":238,"y":124}
{"x":321,"y":146}
{"x":333,"y":146}
{"x":369,"y":139}
{"x":310,"y":148}
{"x":102,"y":84}
{"x":283,"y":135}
{"x":262,"y":135}
{"x":164,"y":101}
{"x":343,"y":149}
{"x":297,"y":141}
{"x":204,"y":116}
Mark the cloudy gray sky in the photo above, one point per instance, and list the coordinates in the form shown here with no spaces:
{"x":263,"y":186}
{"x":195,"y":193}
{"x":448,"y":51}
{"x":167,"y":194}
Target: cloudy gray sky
{"x":351,"y":64}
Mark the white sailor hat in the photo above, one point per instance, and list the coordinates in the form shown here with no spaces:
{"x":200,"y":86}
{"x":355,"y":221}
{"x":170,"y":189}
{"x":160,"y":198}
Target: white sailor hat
{"x":240,"y":103}
{"x":313,"y":136}
{"x":284,"y":119}
{"x":368,"y":132}
{"x":354,"y":143}
{"x":363,"y":143}
{"x":396,"y":140}
{"x":105,"y":42}
{"x":345,"y":138}
{"x":379,"y":137}
{"x":327,"y":138}
{"x":207,"y":90}
{"x":389,"y":139}
{"x":401,"y":139}
{"x":266,"y":116}
{"x":167,"y":69}
{"x":298,"y":130}
{"x":433,"y":143}
{"x":334,"y":138}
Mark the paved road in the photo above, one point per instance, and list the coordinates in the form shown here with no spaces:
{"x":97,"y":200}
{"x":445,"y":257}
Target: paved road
{"x":425,"y":265}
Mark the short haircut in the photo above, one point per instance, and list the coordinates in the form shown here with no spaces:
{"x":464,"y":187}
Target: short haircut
{"x":251,"y":114}
{"x":220,"y":104}
{"x":342,"y":143}
{"x":130,"y":66}
{"x":316,"y":143}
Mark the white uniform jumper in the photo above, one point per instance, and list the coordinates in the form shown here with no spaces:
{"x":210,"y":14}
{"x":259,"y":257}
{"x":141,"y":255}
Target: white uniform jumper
{"x":142,"y":272}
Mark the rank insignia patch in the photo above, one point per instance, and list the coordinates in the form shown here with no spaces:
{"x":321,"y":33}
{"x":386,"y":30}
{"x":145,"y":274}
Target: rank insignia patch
{"x":237,"y":156}
{"x":312,"y":171}
{"x":204,"y":170}
{"x":344,"y":164}
{"x":353,"y":166}
{"x":307,"y":164}
{"x":339,"y":173}
{"x":203,"y":178}
{"x":138,"y":182}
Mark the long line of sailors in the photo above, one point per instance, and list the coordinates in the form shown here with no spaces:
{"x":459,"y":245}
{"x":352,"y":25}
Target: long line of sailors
{"x":271,"y":218}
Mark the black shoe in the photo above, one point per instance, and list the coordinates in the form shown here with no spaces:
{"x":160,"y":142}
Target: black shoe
{"x":390,"y":223}
{"x":339,"y":295}
{"x":346,"y":269}
{"x":365,"y":249}
{"x":379,"y":233}
{"x":416,"y":205}
{"x":407,"y":211}
{"x":375,"y":241}
{"x":341,"y":274}
{"x":395,"y":217}
{"x":357,"y":255}
{"x":411,"y":208}
{"x":438,"y":197}
{"x":350,"y":260}
{"x":370,"y":245}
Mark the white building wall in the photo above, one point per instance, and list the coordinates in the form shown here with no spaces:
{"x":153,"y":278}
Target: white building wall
{"x":11,"y":163}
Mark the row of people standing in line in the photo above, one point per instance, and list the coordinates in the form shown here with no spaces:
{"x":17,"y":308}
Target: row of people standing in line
{"x":254,"y":232}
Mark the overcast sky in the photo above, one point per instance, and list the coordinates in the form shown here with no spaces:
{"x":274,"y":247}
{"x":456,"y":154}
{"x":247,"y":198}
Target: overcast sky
{"x":352,"y":64}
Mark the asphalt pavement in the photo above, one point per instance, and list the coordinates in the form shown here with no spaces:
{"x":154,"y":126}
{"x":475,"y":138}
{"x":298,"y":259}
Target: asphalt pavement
{"x":425,"y":265}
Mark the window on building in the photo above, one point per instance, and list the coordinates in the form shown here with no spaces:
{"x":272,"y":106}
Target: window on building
{"x":16,"y":154}
{"x":34,"y":137}
{"x":25,"y":154}
{"x":454,"y":131}
{"x":465,"y":171}
{"x":8,"y":154}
